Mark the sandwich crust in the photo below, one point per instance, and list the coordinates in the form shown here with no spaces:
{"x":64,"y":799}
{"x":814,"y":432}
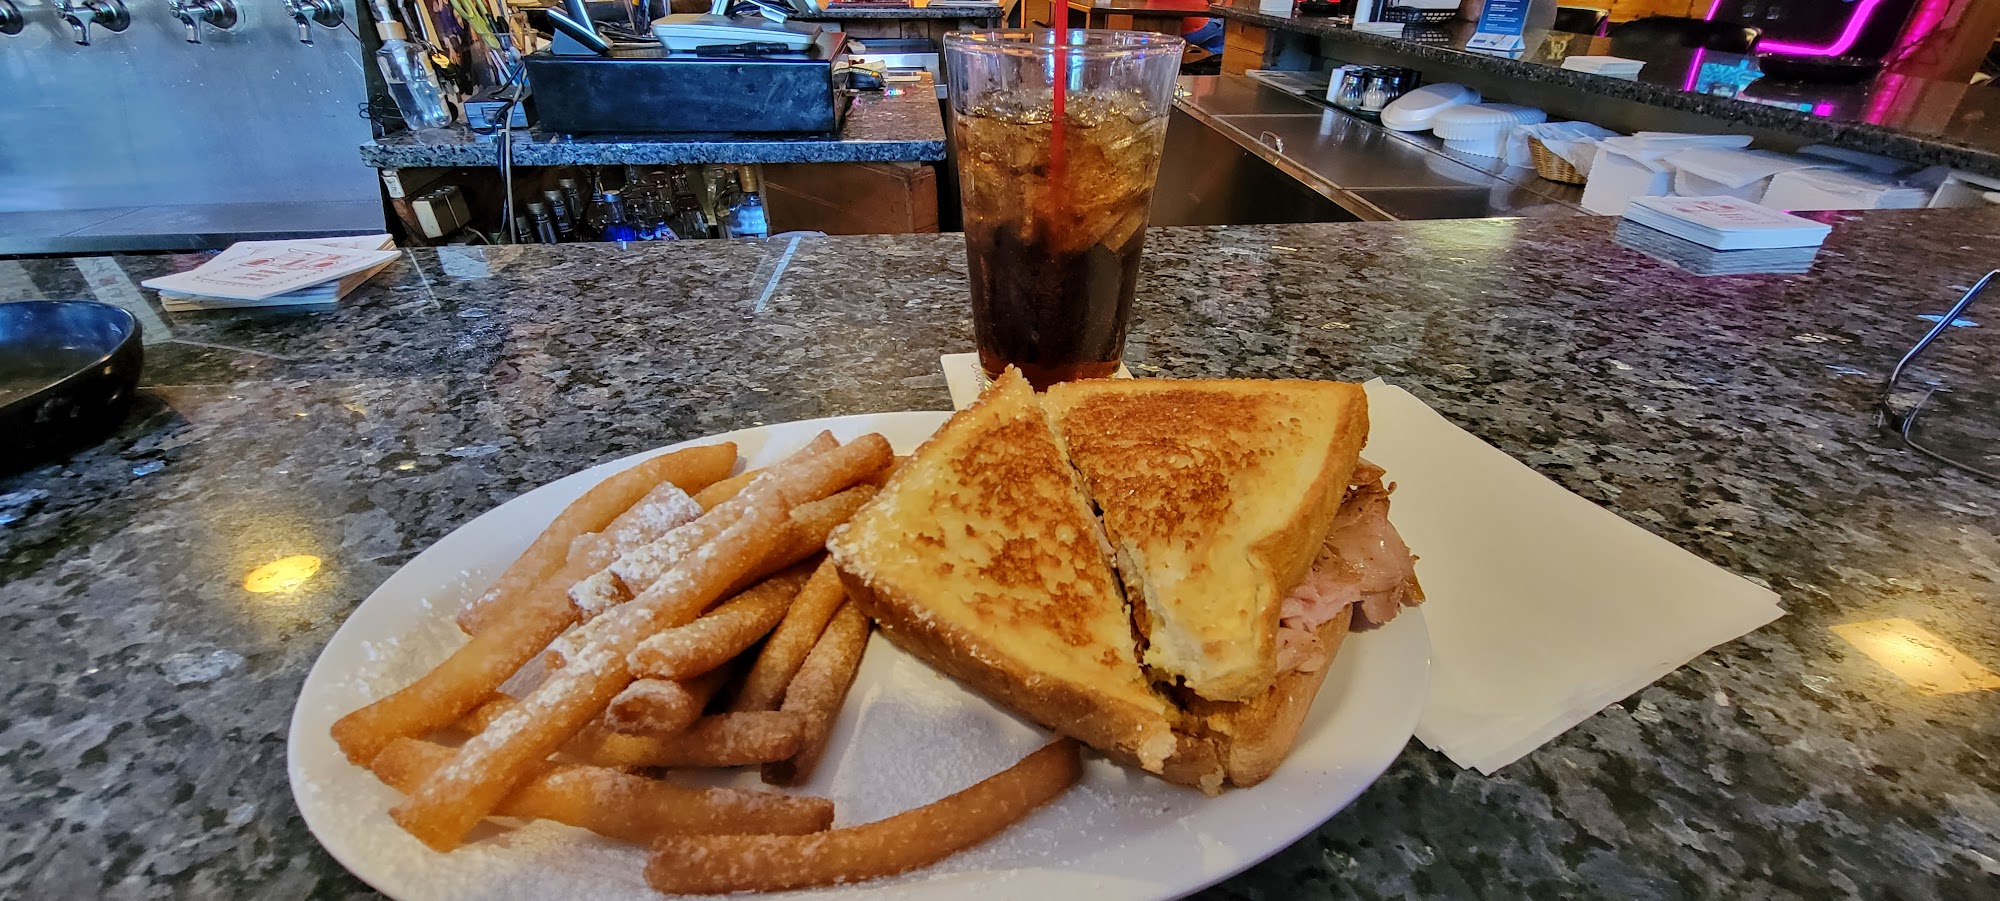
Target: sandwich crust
{"x":1254,"y":736}
{"x":1123,"y":728}
{"x":1216,"y":495}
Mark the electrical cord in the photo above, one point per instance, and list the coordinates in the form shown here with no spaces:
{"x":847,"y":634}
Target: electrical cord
{"x":503,"y":120}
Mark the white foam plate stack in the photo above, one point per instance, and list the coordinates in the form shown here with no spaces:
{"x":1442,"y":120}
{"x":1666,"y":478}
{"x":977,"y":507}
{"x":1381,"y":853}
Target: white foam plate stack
{"x":1418,"y":109}
{"x":1481,"y":128}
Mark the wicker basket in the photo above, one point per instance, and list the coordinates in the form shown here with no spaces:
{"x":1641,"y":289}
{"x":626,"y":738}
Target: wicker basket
{"x":1552,"y":167}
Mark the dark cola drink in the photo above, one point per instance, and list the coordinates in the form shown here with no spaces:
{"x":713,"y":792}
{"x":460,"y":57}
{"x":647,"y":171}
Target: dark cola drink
{"x":1056,"y":207}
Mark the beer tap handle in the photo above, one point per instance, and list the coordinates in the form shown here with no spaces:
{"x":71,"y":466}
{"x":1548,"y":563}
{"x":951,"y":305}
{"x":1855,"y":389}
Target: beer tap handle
{"x":305,"y":12}
{"x":109,"y":13}
{"x":219,"y":13}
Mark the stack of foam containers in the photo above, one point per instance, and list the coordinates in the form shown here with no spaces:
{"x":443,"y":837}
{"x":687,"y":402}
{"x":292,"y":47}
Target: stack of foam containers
{"x":1481,"y":128}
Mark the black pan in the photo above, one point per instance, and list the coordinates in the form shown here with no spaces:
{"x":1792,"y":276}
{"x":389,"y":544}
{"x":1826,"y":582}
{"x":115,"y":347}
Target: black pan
{"x":68,"y":369}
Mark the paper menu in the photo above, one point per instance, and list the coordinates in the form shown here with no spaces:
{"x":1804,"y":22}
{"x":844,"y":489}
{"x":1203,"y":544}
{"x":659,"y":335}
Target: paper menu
{"x":256,"y":270}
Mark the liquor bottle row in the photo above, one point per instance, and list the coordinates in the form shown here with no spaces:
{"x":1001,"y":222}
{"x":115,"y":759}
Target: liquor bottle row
{"x":637,"y":204}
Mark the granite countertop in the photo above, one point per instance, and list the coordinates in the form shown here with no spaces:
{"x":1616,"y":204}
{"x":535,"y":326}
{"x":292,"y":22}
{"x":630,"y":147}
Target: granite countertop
{"x":1921,"y":120}
{"x":148,"y":693}
{"x":900,"y":124}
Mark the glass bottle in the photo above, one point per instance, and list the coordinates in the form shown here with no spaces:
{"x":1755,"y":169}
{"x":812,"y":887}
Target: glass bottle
{"x":616,"y":228}
{"x":687,"y":219}
{"x":413,"y":84}
{"x":559,"y":212}
{"x":713,"y":180}
{"x":745,"y":213}
{"x":596,"y":214}
{"x":545,"y":227}
{"x":574,"y":195}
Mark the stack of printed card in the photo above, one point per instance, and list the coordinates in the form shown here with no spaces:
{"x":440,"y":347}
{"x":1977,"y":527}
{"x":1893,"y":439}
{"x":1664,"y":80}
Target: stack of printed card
{"x":305,"y":273}
{"x":1721,"y":235}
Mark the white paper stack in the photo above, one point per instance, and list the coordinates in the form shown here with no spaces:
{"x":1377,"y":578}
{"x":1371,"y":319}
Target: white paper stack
{"x":309,"y":273}
{"x":1543,"y":607}
{"x":1709,"y":172}
{"x":1842,"y":189}
{"x":1636,"y":166}
{"x":1607,"y":66}
{"x":1726,"y":223}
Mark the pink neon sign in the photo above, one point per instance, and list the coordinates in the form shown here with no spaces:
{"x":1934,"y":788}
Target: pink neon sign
{"x":1859,"y":20}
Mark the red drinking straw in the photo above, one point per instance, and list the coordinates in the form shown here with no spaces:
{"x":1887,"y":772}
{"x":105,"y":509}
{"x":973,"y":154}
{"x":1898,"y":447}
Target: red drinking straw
{"x":1057,"y":169}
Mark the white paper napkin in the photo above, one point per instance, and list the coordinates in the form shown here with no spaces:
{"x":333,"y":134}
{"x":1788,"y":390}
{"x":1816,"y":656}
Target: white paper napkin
{"x":1543,"y":607}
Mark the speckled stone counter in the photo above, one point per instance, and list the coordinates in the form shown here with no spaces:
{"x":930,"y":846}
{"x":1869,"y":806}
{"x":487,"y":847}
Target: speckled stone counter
{"x":901,"y":124}
{"x":148,"y":693}
{"x":1920,"y":120}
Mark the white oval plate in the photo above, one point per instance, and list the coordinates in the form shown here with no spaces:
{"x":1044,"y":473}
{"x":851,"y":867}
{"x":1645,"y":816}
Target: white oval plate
{"x":908,"y":736}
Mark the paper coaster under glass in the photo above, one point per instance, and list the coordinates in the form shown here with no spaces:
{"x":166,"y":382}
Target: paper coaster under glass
{"x":966,"y":378}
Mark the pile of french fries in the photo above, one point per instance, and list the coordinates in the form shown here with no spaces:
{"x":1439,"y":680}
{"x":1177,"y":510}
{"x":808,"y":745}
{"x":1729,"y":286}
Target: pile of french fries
{"x":681,"y":618}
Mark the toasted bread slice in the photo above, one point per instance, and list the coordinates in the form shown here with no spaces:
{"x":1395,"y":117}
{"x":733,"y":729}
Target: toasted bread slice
{"x":1217,"y":495}
{"x":1252,"y":737}
{"x":982,"y":557}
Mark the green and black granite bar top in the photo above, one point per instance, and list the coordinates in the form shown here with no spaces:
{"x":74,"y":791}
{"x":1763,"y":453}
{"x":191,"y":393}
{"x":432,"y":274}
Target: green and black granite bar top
{"x":148,"y":692}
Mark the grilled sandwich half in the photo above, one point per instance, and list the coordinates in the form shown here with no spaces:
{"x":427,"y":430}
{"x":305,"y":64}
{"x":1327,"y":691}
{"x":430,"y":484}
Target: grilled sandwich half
{"x":1188,"y":632}
{"x":981,"y":557}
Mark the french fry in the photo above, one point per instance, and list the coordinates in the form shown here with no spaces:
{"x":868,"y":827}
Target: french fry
{"x":785,"y":584}
{"x":692,"y":469}
{"x":724,"y":739}
{"x":512,"y":632}
{"x":662,"y":510}
{"x":618,"y":805}
{"x":802,"y":482}
{"x":464,"y":679}
{"x":489,"y":765}
{"x":820,"y":689}
{"x":822,"y":475}
{"x":813,"y":522}
{"x":483,"y":716}
{"x":662,"y":706}
{"x":793,"y":638}
{"x":657,"y":514}
{"x":714,"y":864}
{"x":719,"y":635}
{"x":881,"y":479}
{"x":605,"y":589}
{"x":727,"y":488}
